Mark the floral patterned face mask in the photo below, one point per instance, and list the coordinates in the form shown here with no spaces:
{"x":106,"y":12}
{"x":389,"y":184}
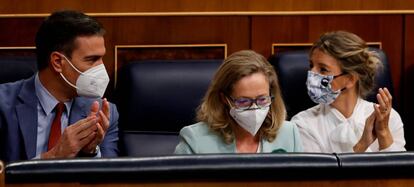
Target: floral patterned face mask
{"x":320,"y":88}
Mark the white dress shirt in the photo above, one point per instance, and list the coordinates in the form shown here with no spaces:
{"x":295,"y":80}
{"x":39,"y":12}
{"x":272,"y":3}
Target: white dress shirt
{"x":325,"y":129}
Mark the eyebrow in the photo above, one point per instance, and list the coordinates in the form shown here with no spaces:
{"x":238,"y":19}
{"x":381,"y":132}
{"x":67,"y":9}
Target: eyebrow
{"x":261,"y":95}
{"x":323,"y":65}
{"x":320,"y":64}
{"x":92,"y":57}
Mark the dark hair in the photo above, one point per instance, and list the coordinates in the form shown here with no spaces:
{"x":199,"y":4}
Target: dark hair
{"x":59,"y":31}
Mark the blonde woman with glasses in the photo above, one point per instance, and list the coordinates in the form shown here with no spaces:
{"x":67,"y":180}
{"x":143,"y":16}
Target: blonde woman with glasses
{"x":242,"y":112}
{"x":342,"y":73}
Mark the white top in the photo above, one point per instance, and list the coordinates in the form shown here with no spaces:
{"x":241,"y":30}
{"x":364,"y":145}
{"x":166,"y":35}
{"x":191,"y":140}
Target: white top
{"x":325,"y":129}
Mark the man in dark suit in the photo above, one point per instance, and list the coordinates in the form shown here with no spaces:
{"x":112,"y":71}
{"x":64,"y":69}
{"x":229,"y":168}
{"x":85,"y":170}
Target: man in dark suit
{"x":58,"y":113}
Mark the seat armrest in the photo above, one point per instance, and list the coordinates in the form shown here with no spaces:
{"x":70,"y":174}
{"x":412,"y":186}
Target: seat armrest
{"x":223,"y":167}
{"x":377,"y":164}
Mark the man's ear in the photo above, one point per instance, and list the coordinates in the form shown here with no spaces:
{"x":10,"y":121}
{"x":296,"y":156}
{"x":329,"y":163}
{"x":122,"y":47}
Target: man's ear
{"x":56,"y":60}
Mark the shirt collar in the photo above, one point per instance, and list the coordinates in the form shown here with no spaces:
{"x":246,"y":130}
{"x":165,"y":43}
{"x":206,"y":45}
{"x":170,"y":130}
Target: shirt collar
{"x":47,"y":101}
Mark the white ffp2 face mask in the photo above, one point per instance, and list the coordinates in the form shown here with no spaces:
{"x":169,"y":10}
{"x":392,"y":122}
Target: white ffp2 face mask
{"x":90,"y":83}
{"x":250,"y":120}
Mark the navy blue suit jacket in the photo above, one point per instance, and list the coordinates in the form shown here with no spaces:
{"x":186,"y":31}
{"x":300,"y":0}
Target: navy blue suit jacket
{"x":18,"y":121}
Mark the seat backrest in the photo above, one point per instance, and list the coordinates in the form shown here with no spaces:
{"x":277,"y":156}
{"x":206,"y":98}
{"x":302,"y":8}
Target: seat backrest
{"x":158,"y":96}
{"x":147,"y":143}
{"x":13,"y":68}
{"x":292,"y":67}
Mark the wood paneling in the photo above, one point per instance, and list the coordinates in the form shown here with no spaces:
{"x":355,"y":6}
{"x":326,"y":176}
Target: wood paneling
{"x":408,"y":82}
{"x":386,"y":29}
{"x":231,"y":30}
{"x":18,"y":31}
{"x":283,"y":47}
{"x":125,"y":54}
{"x":47,"y":6}
{"x":16,"y":51}
{"x":135,"y":53}
{"x":171,"y":52}
{"x":176,"y":30}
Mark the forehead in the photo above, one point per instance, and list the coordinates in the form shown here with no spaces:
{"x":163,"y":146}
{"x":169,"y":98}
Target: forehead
{"x":89,"y":45}
{"x":251,"y":86}
{"x":320,"y":58}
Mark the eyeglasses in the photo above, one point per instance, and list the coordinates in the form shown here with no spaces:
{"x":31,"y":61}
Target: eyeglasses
{"x":243,"y":103}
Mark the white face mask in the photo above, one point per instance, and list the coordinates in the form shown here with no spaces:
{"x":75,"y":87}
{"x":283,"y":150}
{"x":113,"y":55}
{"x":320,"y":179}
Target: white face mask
{"x":250,"y":120}
{"x":91,"y":83}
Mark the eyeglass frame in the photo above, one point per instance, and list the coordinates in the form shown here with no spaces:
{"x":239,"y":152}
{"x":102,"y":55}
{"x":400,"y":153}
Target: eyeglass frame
{"x":252,"y":101}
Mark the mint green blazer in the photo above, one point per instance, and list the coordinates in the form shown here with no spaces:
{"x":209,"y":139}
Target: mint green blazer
{"x":198,"y":139}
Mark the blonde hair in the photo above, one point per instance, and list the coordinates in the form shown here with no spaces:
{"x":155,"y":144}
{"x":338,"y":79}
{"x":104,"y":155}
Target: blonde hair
{"x":354,"y":57}
{"x":215,"y":112}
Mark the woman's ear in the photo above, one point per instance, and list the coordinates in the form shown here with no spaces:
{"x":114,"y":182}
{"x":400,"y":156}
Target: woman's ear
{"x":56,"y":61}
{"x":353,"y":80}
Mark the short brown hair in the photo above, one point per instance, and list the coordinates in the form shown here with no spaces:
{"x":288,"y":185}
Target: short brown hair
{"x":215,"y":112}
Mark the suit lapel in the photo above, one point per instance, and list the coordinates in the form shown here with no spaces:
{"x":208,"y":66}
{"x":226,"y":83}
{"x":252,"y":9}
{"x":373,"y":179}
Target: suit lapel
{"x":27,"y":116}
{"x":79,"y":110}
{"x":26,"y":111}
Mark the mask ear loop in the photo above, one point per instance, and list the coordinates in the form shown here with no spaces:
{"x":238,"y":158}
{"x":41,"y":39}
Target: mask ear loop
{"x":325,"y":81}
{"x":77,"y":70}
{"x":336,"y":76}
{"x":67,"y":81}
{"x":70,"y":63}
{"x":339,"y":75}
{"x":64,"y":78}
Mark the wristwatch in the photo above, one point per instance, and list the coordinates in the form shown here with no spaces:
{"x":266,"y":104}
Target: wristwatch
{"x":91,"y":154}
{"x":95,"y":151}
